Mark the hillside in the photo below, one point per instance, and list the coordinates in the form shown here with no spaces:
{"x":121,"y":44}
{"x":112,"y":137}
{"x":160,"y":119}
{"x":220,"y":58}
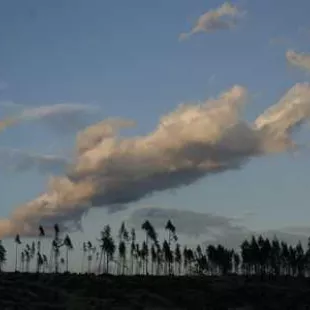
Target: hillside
{"x":83,"y":292}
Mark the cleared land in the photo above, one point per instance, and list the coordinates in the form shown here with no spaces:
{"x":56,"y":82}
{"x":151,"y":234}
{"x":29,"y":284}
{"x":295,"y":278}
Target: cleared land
{"x":83,"y":292}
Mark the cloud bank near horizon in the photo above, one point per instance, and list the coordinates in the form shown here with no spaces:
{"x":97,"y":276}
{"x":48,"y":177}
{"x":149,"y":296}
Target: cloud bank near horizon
{"x":190,"y":223}
{"x":194,"y":141}
{"x":211,"y":228}
{"x":224,"y":17}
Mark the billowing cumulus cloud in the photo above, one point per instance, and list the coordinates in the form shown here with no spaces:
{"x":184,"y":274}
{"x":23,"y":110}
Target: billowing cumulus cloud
{"x":300,"y":60}
{"x":63,"y":117}
{"x":221,"y":18}
{"x":194,"y":141}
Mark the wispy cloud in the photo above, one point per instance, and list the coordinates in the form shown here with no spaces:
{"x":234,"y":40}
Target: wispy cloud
{"x":194,"y":141}
{"x":18,"y":161}
{"x":224,"y":17}
{"x":300,"y":60}
{"x":61,"y":117}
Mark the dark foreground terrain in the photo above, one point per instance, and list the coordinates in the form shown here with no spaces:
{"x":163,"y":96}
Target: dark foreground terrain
{"x":82,"y":292}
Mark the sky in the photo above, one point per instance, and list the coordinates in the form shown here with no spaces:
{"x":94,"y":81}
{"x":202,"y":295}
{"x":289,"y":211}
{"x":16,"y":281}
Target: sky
{"x":86,"y":61}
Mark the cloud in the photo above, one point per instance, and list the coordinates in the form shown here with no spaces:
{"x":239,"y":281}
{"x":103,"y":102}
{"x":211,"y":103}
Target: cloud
{"x":290,"y":112}
{"x":63,"y":117}
{"x":189,"y":223}
{"x":215,"y":229}
{"x":194,"y":141}
{"x":95,"y":134}
{"x":17,"y":160}
{"x":221,"y":18}
{"x":300,"y":60}
{"x":234,"y":238}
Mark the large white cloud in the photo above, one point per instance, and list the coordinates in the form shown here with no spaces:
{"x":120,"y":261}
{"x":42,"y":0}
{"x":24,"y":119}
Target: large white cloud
{"x":193,"y":141}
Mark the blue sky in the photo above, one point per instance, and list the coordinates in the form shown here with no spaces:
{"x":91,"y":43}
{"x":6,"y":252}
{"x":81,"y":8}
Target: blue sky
{"x":125,"y":57}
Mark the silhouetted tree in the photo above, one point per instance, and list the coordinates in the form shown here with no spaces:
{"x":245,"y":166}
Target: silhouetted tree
{"x":133,"y":249}
{"x":69,"y":247}
{"x":178,"y":258}
{"x":168,"y":256}
{"x":122,"y":250}
{"x":27,"y":252}
{"x":151,"y":234}
{"x":90,"y":251}
{"x":84,"y":249}
{"x":22,"y":261}
{"x":246,"y":257}
{"x":236,"y":260}
{"x":144,"y":254}
{"x":107,"y":247}
{"x":275,"y":256}
{"x":45,"y":262}
{"x":171,"y":232}
{"x":257,"y":256}
{"x":39,"y":256}
{"x":159,"y":258}
{"x":153,"y":259}
{"x":56,"y":245}
{"x":2,"y":255}
{"x":17,"y":243}
{"x":171,"y":236}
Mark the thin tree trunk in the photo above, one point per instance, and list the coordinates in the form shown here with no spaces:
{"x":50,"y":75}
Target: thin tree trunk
{"x":123,"y":265}
{"x":100,"y":261}
{"x":51,"y":261}
{"x":83,"y":262}
{"x":16,"y":247}
{"x":56,"y":261}
{"x":108,"y":260}
{"x":132,"y":263}
{"x":67,"y":260}
{"x":38,"y":255}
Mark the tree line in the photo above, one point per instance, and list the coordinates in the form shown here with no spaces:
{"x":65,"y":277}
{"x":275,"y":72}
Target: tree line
{"x":124,"y":255}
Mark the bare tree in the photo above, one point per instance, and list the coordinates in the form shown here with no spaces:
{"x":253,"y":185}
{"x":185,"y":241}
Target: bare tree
{"x":17,"y":244}
{"x":2,"y":255}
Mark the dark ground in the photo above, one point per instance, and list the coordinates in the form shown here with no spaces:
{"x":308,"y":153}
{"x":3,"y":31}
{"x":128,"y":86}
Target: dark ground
{"x":82,"y":292}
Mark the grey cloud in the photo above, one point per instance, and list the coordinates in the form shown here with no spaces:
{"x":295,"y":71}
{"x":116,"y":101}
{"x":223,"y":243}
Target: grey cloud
{"x":214,"y":229}
{"x":187,"y":222}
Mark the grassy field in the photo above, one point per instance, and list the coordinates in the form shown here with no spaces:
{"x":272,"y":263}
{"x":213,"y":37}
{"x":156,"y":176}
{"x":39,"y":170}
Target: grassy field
{"x":83,"y":292}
